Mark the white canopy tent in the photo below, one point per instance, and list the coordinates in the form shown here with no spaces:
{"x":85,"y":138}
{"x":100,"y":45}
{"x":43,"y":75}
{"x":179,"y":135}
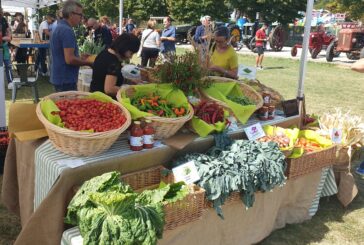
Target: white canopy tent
{"x":35,"y":4}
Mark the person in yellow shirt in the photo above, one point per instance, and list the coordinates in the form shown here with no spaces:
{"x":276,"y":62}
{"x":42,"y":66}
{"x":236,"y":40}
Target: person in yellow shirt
{"x":224,"y":60}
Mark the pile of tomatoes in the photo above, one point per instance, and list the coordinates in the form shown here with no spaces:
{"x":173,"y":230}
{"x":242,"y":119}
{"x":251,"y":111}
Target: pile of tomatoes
{"x":90,"y":115}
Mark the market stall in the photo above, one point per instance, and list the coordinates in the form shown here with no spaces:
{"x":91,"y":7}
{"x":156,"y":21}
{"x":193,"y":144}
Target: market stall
{"x":44,"y":187}
{"x":288,"y":169}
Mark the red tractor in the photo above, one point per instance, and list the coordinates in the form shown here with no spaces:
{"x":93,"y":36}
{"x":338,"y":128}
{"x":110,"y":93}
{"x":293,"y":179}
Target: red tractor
{"x":350,"y":41}
{"x":318,"y":40}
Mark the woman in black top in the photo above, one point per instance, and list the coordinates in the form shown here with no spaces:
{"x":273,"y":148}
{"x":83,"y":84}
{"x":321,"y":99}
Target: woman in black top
{"x":106,"y":76}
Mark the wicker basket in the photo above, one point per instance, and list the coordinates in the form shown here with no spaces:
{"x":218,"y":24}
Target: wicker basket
{"x":310,"y":162}
{"x":234,"y":197}
{"x":77,"y":143}
{"x":147,"y":75}
{"x":178,"y":213}
{"x":246,"y":89}
{"x":164,"y":127}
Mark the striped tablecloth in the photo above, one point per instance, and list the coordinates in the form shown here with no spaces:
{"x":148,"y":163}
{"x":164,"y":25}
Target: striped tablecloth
{"x":327,"y":187}
{"x":48,"y":167}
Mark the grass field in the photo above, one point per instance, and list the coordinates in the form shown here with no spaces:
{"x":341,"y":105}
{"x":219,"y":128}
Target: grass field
{"x":326,"y":86}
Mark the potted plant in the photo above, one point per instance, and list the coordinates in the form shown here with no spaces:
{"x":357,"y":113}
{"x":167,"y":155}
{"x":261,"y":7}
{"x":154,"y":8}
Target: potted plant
{"x":184,"y":73}
{"x":91,"y":48}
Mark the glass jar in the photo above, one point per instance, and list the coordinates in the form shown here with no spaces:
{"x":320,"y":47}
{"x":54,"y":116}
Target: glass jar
{"x":136,"y":137}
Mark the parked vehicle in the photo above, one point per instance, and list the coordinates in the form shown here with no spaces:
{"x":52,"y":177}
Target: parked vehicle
{"x":276,"y":36}
{"x":350,"y":40}
{"x":318,"y":40}
{"x":182,"y":33}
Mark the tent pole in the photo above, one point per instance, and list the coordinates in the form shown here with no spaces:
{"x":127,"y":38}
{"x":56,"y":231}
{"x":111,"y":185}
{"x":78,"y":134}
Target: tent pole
{"x":303,"y":60}
{"x":121,"y":3}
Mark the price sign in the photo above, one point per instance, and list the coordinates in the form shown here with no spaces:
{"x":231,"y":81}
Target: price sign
{"x":186,"y":172}
{"x":336,"y":135}
{"x":254,"y":132}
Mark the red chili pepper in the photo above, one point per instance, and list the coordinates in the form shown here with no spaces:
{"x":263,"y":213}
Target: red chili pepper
{"x":213,"y":118}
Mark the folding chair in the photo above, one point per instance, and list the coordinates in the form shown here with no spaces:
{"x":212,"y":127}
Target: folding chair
{"x":25,"y":80}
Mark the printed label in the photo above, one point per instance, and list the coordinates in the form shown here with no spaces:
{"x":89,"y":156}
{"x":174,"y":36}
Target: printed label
{"x":186,"y":172}
{"x":336,"y":135}
{"x":254,"y":132}
{"x":136,"y":141}
{"x":148,"y":139}
{"x":266,"y":99}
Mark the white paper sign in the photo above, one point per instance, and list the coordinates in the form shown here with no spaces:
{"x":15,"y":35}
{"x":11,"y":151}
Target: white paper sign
{"x":71,"y":163}
{"x":336,"y":135}
{"x":254,"y":132}
{"x":186,"y":172}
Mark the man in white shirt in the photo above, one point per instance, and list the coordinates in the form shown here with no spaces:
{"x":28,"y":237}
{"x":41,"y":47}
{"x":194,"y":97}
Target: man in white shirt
{"x":44,"y":34}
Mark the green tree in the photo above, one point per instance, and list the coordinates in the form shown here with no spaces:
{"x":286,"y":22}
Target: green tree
{"x":143,"y":9}
{"x":283,"y":11}
{"x":192,"y":10}
{"x":354,"y":8}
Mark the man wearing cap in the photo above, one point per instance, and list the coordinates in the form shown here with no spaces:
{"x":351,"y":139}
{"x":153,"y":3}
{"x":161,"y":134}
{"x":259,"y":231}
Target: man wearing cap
{"x":200,"y":36}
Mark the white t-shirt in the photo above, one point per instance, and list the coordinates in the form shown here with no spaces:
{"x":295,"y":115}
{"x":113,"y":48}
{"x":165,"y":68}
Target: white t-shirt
{"x":43,"y":26}
{"x":151,"y":41}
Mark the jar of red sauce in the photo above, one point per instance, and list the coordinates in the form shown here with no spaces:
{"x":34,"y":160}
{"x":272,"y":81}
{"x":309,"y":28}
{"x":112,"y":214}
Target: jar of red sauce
{"x":148,"y":135}
{"x":263,"y":113}
{"x":136,"y":137}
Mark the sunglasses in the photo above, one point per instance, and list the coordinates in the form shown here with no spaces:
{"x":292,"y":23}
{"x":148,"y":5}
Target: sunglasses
{"x":81,"y":15}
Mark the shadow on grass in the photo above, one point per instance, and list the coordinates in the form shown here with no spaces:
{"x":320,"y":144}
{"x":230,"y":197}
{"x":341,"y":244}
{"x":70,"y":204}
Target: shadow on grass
{"x":330,"y":218}
{"x":274,"y":67}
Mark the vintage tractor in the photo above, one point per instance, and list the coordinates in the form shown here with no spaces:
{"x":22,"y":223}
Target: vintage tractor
{"x":350,"y":41}
{"x":318,"y":40}
{"x":235,"y":37}
{"x":276,"y":38}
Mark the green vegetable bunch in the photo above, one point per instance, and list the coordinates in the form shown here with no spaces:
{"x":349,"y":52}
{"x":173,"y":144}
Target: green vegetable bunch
{"x":91,"y":47}
{"x":108,"y":211}
{"x":185,"y":73}
{"x":242,"y":100}
{"x":245,"y":167}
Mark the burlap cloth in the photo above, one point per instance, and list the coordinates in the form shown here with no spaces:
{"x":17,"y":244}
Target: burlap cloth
{"x":272,"y":210}
{"x":347,"y":189}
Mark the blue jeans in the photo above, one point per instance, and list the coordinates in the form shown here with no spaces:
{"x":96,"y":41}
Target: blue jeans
{"x":41,"y":59}
{"x":8,"y":71}
{"x":65,"y":87}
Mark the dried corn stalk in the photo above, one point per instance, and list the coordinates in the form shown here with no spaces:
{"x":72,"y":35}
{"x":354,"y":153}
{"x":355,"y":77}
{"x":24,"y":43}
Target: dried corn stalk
{"x":351,"y":125}
{"x":204,"y":49}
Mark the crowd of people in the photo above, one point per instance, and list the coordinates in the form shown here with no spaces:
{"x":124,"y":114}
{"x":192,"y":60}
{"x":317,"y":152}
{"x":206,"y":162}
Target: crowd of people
{"x":107,"y":77}
{"x":150,"y":45}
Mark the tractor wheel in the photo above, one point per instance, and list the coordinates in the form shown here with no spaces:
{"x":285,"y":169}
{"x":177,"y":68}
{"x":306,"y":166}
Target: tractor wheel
{"x":352,"y":56}
{"x":235,"y":35}
{"x":294,"y":51}
{"x":330,"y":52}
{"x":276,"y":38}
{"x":362,"y":53}
{"x":315,"y":52}
{"x":252,"y":45}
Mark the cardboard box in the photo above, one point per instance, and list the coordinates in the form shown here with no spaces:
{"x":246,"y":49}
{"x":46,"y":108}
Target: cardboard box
{"x":24,"y":123}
